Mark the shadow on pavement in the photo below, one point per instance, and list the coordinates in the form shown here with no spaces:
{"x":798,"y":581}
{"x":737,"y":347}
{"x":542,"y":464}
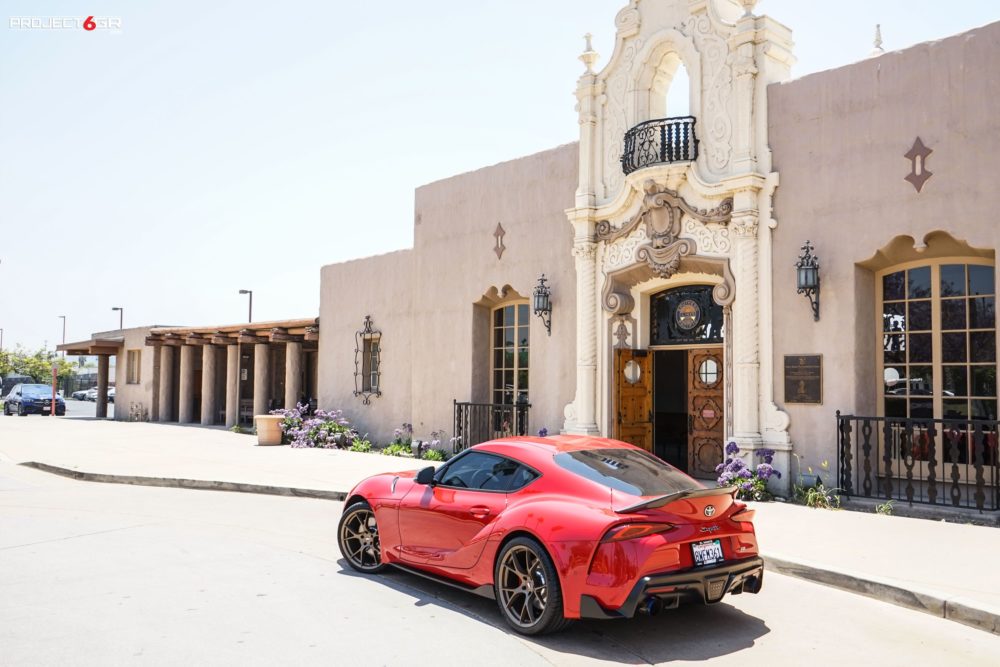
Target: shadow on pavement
{"x":691,"y":632}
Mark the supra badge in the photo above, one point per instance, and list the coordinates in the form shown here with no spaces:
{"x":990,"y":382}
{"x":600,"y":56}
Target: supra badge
{"x":709,"y":510}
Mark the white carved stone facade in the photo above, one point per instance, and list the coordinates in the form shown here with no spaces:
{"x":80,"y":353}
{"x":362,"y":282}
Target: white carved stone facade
{"x":674,"y":222}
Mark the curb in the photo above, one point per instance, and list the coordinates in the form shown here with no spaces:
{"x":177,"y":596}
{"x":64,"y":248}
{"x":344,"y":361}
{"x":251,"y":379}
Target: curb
{"x":179,"y":483}
{"x":974,"y":613}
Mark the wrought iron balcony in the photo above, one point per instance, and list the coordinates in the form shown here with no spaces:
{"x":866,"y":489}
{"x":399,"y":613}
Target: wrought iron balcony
{"x":944,"y":462}
{"x":660,"y":141}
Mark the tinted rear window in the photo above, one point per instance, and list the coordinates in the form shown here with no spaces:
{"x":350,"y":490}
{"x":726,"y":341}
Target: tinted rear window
{"x":627,"y":470}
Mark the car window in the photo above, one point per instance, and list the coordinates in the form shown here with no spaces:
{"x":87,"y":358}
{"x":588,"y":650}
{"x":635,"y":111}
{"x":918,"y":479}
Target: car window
{"x":629,"y":470}
{"x":521,"y":478}
{"x":485,"y":472}
{"x":37,"y":390}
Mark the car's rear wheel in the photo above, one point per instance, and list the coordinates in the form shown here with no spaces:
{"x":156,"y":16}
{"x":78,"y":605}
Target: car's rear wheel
{"x":358,"y":539}
{"x":527,"y":588}
{"x":20,"y":410}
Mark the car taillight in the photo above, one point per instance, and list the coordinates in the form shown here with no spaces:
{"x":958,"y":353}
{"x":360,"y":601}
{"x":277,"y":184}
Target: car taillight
{"x":631,"y":531}
{"x":744,"y":515}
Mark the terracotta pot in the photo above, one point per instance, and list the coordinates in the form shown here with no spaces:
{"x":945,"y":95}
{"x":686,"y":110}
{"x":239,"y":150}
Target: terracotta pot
{"x":268,"y":429}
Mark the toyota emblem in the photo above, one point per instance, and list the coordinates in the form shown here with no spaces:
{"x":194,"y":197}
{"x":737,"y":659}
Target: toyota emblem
{"x":709,"y":510}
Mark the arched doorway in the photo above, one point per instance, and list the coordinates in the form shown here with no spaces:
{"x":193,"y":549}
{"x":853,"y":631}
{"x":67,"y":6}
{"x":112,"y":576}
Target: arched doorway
{"x":670,"y":397}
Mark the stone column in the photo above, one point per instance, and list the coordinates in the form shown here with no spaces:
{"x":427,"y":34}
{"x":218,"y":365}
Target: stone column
{"x":293,"y":374}
{"x":232,"y":385}
{"x":166,"y":383}
{"x":102,"y":386}
{"x":584,"y":417}
{"x":209,"y":401}
{"x":745,"y":332}
{"x":185,"y":411}
{"x":261,"y":377}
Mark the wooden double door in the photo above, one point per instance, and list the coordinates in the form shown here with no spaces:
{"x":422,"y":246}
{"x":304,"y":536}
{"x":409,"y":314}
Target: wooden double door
{"x":670,"y":403}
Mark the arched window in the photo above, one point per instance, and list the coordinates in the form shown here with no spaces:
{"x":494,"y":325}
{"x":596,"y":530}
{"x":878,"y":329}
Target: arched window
{"x":510,"y":343}
{"x":938,"y":339}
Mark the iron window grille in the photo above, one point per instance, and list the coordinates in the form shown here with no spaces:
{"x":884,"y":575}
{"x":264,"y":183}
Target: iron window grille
{"x":367,"y":361}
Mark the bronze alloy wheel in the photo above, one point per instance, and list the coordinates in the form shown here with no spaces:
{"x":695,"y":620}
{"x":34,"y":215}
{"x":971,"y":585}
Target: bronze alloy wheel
{"x":358,"y":538}
{"x":527,"y":588}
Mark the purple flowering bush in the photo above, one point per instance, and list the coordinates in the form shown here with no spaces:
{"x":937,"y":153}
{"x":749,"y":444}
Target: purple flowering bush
{"x":750,"y":483}
{"x":543,"y":432}
{"x":322,"y":429}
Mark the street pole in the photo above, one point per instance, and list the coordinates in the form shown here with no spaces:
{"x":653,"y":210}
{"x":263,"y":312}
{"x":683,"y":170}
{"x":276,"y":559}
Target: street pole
{"x":250,"y":313}
{"x":52,"y":410}
{"x":1,"y":340}
{"x":64,"y":334}
{"x":121,"y":316}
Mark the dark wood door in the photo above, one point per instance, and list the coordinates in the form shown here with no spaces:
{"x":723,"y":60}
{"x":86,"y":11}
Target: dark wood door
{"x":706,"y":426}
{"x":634,"y":397}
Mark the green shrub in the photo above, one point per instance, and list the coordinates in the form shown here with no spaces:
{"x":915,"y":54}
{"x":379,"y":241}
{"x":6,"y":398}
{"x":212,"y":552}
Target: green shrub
{"x":397,"y":449}
{"x":817,"y":496}
{"x":361,"y":445}
{"x":433,"y":455}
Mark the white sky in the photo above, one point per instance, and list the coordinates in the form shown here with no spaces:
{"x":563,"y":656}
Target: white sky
{"x":215,"y":146}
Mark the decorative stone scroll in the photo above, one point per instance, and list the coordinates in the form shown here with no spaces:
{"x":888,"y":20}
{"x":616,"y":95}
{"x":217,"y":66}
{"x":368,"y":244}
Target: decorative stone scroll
{"x":660,"y":217}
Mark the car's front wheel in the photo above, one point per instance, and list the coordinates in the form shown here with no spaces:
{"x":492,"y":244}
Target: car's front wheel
{"x":21,"y":411}
{"x":527,"y":588}
{"x":357,"y":536}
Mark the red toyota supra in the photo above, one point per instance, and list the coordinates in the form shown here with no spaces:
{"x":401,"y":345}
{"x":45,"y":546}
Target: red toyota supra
{"x":555,"y":529}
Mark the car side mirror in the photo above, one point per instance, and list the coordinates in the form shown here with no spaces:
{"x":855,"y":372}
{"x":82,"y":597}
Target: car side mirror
{"x":426,"y":476}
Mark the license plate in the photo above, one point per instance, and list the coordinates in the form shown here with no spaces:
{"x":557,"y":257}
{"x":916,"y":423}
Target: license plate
{"x":708,"y":552}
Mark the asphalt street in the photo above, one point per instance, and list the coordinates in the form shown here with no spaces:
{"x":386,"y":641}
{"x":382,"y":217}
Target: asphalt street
{"x":95,"y":574}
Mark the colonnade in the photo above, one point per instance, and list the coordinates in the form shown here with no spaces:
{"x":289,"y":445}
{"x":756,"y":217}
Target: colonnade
{"x":218,"y":398}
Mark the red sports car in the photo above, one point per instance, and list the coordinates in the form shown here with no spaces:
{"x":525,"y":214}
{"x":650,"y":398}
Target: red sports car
{"x":555,"y":529}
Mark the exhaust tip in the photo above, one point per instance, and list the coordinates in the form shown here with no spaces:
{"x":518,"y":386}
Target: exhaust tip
{"x":651,"y":606}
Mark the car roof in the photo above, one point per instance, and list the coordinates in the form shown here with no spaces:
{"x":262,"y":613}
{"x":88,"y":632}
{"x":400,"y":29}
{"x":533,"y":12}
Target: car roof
{"x":538,"y":451}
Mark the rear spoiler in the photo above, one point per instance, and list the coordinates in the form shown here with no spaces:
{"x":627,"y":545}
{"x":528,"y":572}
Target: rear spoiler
{"x":660,"y":501}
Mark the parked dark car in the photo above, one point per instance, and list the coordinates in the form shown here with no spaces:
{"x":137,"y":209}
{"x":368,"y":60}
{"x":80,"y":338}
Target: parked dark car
{"x":25,"y":399}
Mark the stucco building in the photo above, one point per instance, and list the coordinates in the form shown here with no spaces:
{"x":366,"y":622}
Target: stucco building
{"x":670,"y":245}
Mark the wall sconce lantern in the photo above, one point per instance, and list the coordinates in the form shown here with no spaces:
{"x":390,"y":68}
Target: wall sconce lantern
{"x":543,"y":303}
{"x":807,"y":277}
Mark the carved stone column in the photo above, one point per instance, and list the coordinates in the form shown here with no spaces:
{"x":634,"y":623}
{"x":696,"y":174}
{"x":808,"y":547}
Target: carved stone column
{"x":185,"y":409}
{"x":261,"y":378}
{"x":746,"y":331}
{"x":584,"y":417}
{"x":166,"y":407}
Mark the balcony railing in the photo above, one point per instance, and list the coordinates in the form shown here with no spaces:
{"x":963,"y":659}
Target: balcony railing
{"x":480,"y":422}
{"x":945,"y":462}
{"x":660,"y":141}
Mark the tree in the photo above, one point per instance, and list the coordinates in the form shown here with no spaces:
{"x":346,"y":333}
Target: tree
{"x":37,"y":365}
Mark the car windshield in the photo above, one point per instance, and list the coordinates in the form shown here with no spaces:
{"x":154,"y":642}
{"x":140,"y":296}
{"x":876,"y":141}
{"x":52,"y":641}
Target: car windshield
{"x":627,"y":470}
{"x":37,"y":390}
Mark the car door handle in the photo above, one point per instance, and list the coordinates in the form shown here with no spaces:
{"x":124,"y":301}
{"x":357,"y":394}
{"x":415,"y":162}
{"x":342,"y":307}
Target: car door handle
{"x":479,"y":511}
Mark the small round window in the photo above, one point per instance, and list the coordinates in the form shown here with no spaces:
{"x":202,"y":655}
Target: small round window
{"x":708,"y":372}
{"x":632,"y":372}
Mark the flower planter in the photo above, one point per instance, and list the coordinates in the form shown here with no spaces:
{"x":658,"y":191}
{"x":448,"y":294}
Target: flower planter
{"x":268,"y":429}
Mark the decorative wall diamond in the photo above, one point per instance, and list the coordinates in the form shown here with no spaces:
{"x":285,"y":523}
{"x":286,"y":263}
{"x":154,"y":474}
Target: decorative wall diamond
{"x":917,"y":156}
{"x":498,"y":235}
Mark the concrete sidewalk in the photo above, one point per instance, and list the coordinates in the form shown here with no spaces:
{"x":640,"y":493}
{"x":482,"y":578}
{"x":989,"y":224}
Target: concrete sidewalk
{"x":940,"y":568}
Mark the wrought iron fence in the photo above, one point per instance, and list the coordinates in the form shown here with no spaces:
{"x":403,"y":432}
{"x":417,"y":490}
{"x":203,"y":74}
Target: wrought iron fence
{"x":946,"y":462}
{"x":480,"y":422}
{"x":660,"y":141}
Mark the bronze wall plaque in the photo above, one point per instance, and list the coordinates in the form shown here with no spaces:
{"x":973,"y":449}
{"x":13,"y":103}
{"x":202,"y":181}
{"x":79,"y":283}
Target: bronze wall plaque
{"x":804,"y":378}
